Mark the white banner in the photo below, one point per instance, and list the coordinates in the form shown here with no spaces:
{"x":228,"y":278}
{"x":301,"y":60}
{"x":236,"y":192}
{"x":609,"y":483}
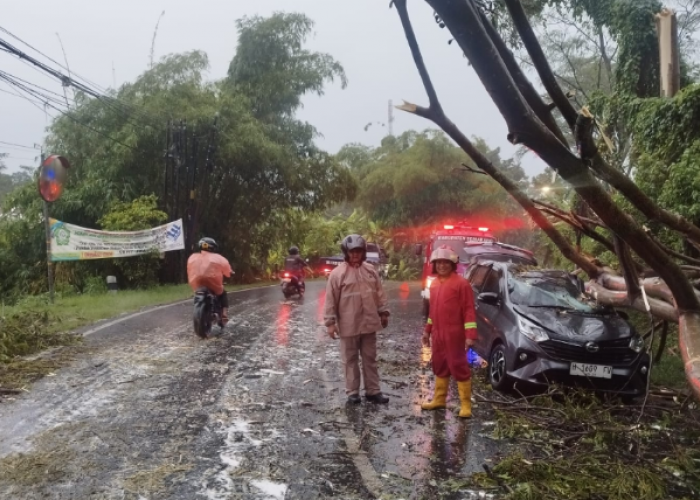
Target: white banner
{"x":69,"y":242}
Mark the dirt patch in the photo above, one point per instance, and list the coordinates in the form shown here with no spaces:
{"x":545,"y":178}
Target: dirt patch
{"x":153,"y":480}
{"x":19,"y":374}
{"x":53,"y":459}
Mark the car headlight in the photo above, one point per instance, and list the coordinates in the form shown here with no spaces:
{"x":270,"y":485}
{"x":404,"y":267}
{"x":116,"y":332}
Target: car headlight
{"x":637,"y":343}
{"x":531,"y":330}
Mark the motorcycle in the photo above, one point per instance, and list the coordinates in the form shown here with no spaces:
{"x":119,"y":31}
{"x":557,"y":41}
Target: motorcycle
{"x":292,"y":285}
{"x":207,"y":312}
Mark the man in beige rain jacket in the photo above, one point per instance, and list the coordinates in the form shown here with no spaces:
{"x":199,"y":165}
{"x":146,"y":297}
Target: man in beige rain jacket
{"x":356,"y":308}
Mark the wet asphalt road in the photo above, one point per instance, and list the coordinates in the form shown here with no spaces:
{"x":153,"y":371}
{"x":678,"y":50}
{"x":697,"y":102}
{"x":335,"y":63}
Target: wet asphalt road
{"x":148,"y":411}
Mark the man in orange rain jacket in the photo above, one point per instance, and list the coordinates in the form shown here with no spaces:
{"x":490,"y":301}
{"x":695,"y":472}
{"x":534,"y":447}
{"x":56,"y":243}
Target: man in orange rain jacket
{"x":207,"y":269}
{"x":451,"y":329}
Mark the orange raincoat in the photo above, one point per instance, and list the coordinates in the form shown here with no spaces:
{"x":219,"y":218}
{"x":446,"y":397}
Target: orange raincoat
{"x":206,"y":269}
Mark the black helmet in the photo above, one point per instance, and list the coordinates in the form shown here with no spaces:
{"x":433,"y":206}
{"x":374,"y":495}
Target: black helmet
{"x":352,"y":242}
{"x":208,"y":245}
{"x":294,"y":250}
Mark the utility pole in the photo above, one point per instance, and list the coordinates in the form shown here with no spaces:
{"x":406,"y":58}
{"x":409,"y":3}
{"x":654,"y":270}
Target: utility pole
{"x":391,"y":117}
{"x":669,"y":53}
{"x":47,"y":229}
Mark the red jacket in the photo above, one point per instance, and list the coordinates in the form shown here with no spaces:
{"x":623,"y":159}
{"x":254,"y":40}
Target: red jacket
{"x":452,"y":308}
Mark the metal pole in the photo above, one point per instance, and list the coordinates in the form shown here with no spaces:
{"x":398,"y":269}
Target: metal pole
{"x":47,"y":227}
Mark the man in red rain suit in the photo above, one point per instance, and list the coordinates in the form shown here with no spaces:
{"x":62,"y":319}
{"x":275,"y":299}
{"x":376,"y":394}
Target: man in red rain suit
{"x":451,"y":330}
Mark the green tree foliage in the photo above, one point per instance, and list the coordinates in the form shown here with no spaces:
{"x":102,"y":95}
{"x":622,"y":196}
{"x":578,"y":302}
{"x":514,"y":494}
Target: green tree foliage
{"x":419,"y":178}
{"x":9,"y":182}
{"x":141,"y":213}
{"x":266,"y":165}
{"x":667,"y":147}
{"x":274,"y":70}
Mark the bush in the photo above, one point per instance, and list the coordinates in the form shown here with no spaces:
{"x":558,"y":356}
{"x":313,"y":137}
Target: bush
{"x":142,"y":213}
{"x":24,"y":332}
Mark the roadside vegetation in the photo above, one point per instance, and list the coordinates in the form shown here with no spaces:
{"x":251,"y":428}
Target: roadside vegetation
{"x":34,"y":324}
{"x":269,"y":186}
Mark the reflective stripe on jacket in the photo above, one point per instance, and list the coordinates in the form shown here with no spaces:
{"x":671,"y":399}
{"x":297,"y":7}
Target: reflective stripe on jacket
{"x":452,"y":308}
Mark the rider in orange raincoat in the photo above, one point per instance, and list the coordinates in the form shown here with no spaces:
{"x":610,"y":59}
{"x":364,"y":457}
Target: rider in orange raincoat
{"x":451,"y":329}
{"x":208,"y":269}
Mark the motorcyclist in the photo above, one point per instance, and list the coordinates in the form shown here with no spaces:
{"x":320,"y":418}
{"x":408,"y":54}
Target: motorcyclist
{"x":207,"y":269}
{"x":295,"y":265}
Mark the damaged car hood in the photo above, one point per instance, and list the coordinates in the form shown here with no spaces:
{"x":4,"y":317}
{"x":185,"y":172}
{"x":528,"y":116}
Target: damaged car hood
{"x":573,"y":325}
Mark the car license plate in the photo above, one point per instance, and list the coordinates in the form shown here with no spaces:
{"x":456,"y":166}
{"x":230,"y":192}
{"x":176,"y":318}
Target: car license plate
{"x":594,"y":371}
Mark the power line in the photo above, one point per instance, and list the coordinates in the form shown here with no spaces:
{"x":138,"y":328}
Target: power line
{"x":4,"y":30}
{"x":18,"y":158}
{"x":48,"y":103}
{"x":17,"y":145}
{"x":65,"y":80}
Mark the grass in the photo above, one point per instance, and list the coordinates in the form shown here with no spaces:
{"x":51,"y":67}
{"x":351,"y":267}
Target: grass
{"x":34,"y":325}
{"x":573,"y":445}
{"x":74,"y":311}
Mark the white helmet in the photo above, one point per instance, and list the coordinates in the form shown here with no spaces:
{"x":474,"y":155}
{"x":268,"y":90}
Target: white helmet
{"x":444,"y":253}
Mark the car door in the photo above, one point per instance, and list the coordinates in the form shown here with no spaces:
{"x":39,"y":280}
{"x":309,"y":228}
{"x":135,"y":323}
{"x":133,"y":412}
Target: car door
{"x":477,"y":276}
{"x":489,"y":311}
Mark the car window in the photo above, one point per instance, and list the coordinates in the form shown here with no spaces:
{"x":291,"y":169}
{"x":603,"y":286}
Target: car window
{"x":478,"y":275}
{"x":491,"y":283}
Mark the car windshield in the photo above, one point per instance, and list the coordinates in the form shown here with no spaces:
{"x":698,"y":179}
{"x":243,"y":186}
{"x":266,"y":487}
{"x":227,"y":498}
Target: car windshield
{"x":457,"y":243}
{"x":547,"y":291}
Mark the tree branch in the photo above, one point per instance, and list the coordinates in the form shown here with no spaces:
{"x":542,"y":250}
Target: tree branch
{"x":662,"y":343}
{"x":659,"y":308}
{"x":470,"y":169}
{"x":571,"y":220}
{"x":533,"y":98}
{"x":672,"y":252}
{"x":629,"y":272}
{"x":436,"y":114}
{"x":435,"y":106}
{"x":464,"y":24}
{"x":533,"y":47}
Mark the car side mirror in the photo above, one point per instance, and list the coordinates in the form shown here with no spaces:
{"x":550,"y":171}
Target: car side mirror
{"x":489,"y":298}
{"x":419,"y":249}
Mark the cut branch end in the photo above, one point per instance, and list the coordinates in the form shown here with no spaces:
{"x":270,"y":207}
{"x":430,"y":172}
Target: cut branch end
{"x":407,"y":106}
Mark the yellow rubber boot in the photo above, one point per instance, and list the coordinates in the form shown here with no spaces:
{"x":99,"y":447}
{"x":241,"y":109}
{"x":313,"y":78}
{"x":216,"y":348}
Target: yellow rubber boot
{"x":465,"y":397}
{"x":440,"y":395}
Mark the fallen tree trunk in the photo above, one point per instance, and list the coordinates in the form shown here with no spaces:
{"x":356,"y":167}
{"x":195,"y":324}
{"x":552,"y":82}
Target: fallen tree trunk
{"x":618,"y":298}
{"x":676,"y":300}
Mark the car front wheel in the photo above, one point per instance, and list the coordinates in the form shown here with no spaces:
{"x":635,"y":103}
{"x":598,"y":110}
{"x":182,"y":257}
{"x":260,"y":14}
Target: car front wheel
{"x":498,"y":376}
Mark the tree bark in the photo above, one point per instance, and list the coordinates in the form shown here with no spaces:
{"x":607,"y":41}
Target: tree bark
{"x":659,"y":308}
{"x":527,"y":34}
{"x":436,"y":114}
{"x":465,"y":23}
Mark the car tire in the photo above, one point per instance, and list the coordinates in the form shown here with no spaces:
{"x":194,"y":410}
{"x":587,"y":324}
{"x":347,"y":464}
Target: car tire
{"x":426,"y":308}
{"x":497,"y":372}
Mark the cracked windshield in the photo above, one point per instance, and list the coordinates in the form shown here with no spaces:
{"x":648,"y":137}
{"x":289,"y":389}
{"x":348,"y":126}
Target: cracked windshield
{"x":304,"y":249}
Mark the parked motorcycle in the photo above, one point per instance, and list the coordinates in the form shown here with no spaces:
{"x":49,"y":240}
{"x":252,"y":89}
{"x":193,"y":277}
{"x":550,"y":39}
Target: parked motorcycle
{"x":207,"y":312}
{"x":292,"y":285}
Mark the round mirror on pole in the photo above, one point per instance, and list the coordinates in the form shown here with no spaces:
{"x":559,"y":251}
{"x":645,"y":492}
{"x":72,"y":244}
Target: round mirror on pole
{"x":52,"y":176}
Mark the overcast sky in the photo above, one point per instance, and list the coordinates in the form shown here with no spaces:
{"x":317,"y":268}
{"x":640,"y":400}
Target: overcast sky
{"x":108,"y":42}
